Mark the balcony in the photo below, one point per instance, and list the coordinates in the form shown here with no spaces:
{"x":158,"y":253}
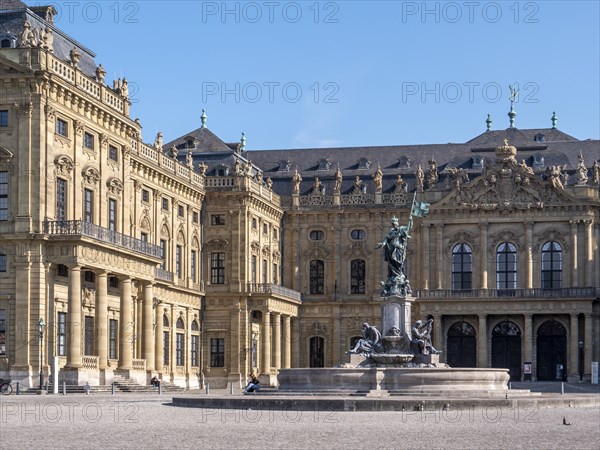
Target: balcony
{"x":164,"y":275}
{"x":78,"y":228}
{"x":270,"y":288}
{"x":456,"y":294}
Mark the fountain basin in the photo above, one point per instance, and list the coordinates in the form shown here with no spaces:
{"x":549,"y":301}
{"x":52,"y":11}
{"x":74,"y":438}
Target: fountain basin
{"x":412,"y":379}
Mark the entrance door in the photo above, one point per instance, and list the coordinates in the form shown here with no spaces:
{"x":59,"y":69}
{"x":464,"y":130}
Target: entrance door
{"x":89,"y":336}
{"x":506,"y":348}
{"x":317,"y":352}
{"x":551,"y":351}
{"x":462,"y":345}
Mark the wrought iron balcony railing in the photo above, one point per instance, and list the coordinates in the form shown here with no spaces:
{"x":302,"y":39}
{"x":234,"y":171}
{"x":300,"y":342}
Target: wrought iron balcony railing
{"x":82,"y":228}
{"x":270,"y":288}
{"x":163,"y":275}
{"x":584,"y":292}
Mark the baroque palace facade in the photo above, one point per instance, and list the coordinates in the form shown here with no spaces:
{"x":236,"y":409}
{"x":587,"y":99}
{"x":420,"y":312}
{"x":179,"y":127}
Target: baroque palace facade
{"x":200,"y":261}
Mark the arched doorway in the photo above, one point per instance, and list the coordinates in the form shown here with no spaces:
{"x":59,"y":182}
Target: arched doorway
{"x":317,"y":352}
{"x":462,"y":345}
{"x":551,"y":351}
{"x":506,"y":348}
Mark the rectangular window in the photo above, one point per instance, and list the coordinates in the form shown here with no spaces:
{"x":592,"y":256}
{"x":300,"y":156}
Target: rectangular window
{"x":62,"y":128}
{"x":178,"y":270}
{"x":217,"y":219}
{"x":113,"y":335}
{"x":113,"y":153}
{"x":195,"y":217}
{"x":275,"y":234}
{"x":2,"y":332}
{"x":3,"y":118}
{"x":253,"y":269}
{"x":217,"y":352}
{"x":3,"y":195}
{"x":112,"y":214}
{"x":88,"y":345}
{"x":88,"y":206}
{"x":193,"y":265}
{"x":254,"y":223}
{"x":88,"y":140}
{"x":61,"y":199}
{"x":165,"y":204}
{"x":179,"y":349}
{"x":166,"y":347}
{"x":113,"y":282}
{"x":195,"y":349}
{"x":89,"y":276}
{"x":180,"y":210}
{"x":317,"y":277}
{"x":145,"y":195}
{"x":62,"y":270}
{"x":264,"y":271}
{"x":61,"y":334}
{"x":217,"y":268}
{"x":144,"y":237}
{"x":275,"y":274}
{"x":163,"y":254}
{"x":3,"y":262}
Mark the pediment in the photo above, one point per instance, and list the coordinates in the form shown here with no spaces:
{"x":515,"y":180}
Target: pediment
{"x":8,"y":66}
{"x":506,"y":189}
{"x":5,"y":153}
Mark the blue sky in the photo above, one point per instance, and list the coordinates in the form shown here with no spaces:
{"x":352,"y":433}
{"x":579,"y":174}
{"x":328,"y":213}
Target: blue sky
{"x":347,"y":73}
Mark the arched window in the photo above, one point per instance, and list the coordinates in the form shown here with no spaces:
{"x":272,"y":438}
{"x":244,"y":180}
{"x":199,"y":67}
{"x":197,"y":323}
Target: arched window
{"x":195,"y":345}
{"x":179,"y":343}
{"x":316,"y":235}
{"x":317,"y":277}
{"x":195,"y":326}
{"x":179,"y":324}
{"x":5,"y":43}
{"x":551,"y":265}
{"x":462,"y":267}
{"x":461,"y":345}
{"x":317,"y":352}
{"x":506,"y":266}
{"x":357,"y":276}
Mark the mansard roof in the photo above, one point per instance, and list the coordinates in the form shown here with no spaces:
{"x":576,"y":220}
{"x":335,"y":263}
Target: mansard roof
{"x":205,"y":141}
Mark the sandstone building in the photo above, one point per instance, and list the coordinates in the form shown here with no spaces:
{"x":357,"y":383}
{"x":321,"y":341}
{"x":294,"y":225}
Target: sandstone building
{"x":198,"y":260}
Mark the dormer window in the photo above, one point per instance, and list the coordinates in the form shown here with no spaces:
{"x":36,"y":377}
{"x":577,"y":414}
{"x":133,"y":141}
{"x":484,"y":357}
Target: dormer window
{"x":404,"y":162}
{"x":538,"y":162}
{"x":477,"y":162}
{"x":324,"y":164}
{"x":284,"y":166}
{"x":5,"y":43}
{"x":364,"y":164}
{"x":222,"y":171}
{"x":539,"y":137}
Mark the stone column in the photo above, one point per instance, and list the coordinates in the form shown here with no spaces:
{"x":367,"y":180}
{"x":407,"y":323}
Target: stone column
{"x":148,"y":326}
{"x":482,"y":342}
{"x":425,"y":247}
{"x":101,"y":338}
{"x":596,"y":337}
{"x":597,"y":258}
{"x":25,"y":337}
{"x":277,"y":341}
{"x":437,"y":331}
{"x":296,"y":334}
{"x":528,"y":342}
{"x":587,"y":347}
{"x":287,"y":342}
{"x":439,"y":255}
{"x":573,"y":369}
{"x":589,"y":253}
{"x":483,"y":262}
{"x":125,"y":328}
{"x":266,"y":343}
{"x":158,"y":338}
{"x":74,"y":319}
{"x":528,"y":255}
{"x":574,"y":280}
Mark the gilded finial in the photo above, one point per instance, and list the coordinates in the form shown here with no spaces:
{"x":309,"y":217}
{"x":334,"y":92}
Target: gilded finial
{"x":488,"y":122}
{"x":554,"y":120}
{"x":203,"y":118}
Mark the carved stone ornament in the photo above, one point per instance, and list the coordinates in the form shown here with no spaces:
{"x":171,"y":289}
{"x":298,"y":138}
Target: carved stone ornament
{"x":503,"y":236}
{"x":217,"y":245}
{"x":91,"y":175}
{"x":79,"y":128}
{"x":115,"y":186}
{"x":508,"y":186}
{"x":64,"y":165}
{"x":551,"y":235}
{"x":103,"y":141}
{"x":50,"y":112}
{"x":463,"y":237}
